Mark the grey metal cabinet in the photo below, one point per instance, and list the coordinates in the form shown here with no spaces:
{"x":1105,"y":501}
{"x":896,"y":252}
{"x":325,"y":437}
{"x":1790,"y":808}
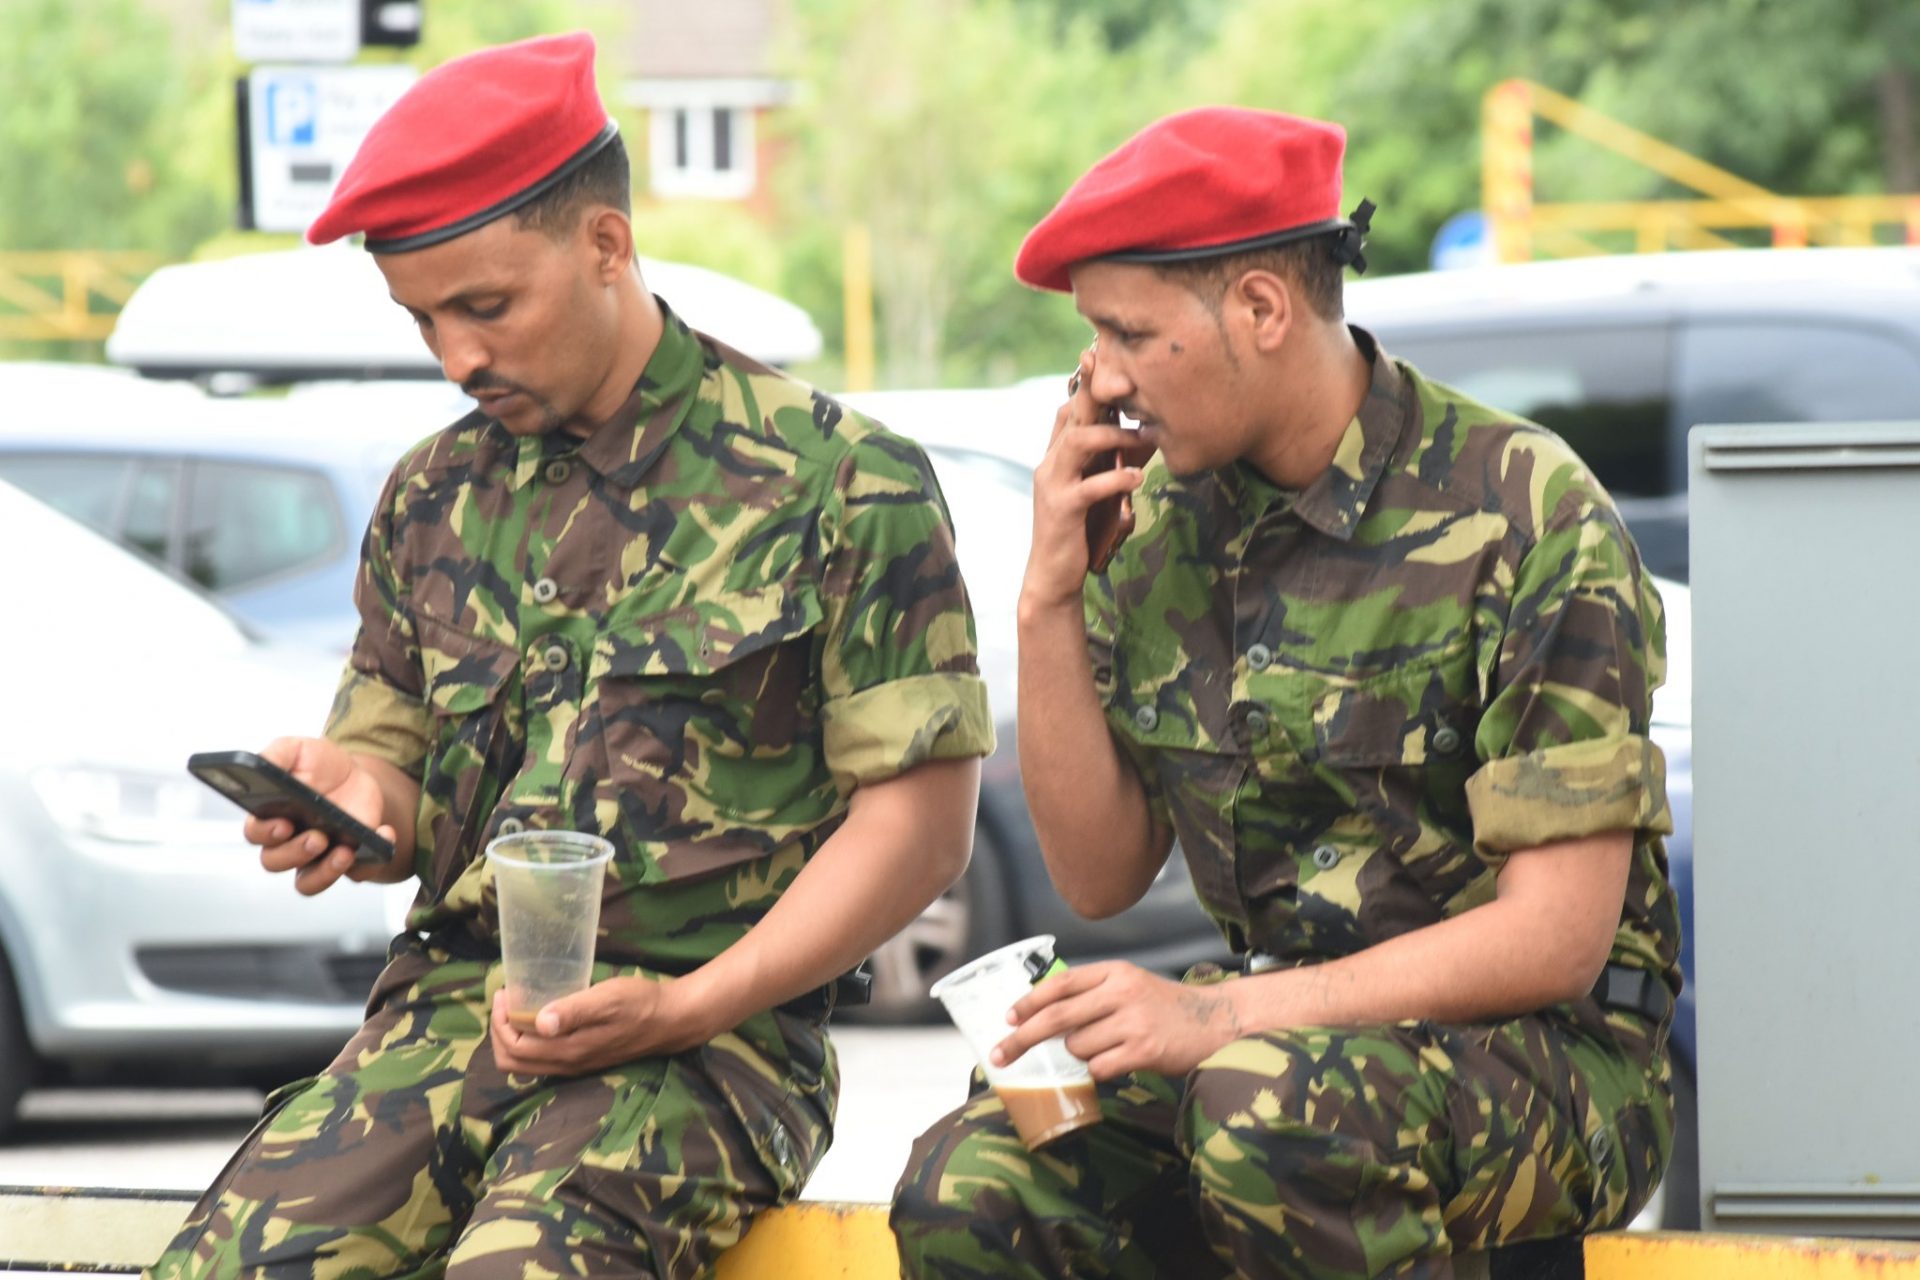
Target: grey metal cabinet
{"x":1806,"y":600}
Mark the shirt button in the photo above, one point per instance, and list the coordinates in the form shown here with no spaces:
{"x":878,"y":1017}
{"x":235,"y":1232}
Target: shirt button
{"x":1259,"y":657}
{"x":1597,"y":1146}
{"x":511,"y":826}
{"x":558,"y":471}
{"x":1446,"y":739}
{"x":545,"y":590}
{"x":1257,"y":723}
{"x":555,"y":656}
{"x":1326,"y":857}
{"x":1147,"y":718}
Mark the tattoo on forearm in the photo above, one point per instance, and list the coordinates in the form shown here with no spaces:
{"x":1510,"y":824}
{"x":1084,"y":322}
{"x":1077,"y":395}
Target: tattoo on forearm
{"x":1211,"y":1009}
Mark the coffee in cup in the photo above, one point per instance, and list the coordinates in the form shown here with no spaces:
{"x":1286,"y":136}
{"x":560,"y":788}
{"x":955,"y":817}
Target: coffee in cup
{"x":1047,"y":1092}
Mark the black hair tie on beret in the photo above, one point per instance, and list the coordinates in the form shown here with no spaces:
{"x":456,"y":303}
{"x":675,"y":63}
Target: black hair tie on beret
{"x":1350,"y":240}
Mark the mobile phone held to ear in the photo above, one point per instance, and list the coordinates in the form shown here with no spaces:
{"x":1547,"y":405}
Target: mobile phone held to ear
{"x":265,"y":790}
{"x":1110,"y":520}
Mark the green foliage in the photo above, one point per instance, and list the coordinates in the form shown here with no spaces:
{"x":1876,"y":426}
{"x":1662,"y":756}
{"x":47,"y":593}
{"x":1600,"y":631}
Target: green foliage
{"x":722,"y":237}
{"x":92,"y":95}
{"x":1122,"y":24}
{"x":947,"y":128}
{"x":1793,"y":97}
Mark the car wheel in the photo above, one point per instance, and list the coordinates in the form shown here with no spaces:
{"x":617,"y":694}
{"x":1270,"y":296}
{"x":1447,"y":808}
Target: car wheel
{"x":1676,"y":1201}
{"x":16,"y":1054}
{"x":972,"y":917}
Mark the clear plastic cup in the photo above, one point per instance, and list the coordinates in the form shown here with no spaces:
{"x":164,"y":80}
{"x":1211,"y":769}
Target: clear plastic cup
{"x":549,"y":886}
{"x":1048,"y":1093}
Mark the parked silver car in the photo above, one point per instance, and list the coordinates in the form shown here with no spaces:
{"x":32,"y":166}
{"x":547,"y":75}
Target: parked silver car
{"x":136,"y":927}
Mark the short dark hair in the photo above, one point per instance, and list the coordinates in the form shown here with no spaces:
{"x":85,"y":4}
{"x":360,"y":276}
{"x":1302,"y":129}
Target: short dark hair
{"x":606,"y":178}
{"x":1309,"y":265}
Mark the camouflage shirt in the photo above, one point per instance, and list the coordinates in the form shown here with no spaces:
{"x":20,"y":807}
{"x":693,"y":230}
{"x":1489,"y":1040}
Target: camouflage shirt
{"x":1351,"y":703}
{"x":694,"y":631}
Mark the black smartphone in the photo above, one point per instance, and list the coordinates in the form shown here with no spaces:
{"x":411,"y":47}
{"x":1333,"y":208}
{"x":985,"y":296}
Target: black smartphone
{"x":1110,"y":520}
{"x":265,"y":790}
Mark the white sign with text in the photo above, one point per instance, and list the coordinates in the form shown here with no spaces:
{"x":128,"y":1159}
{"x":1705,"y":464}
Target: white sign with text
{"x":303,"y":126}
{"x":296,"y":30}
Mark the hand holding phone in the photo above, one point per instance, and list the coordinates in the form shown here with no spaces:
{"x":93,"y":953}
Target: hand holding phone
{"x":266,"y":790}
{"x":1110,"y":519}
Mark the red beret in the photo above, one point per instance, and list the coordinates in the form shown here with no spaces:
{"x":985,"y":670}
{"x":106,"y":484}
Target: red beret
{"x":1198,"y":184}
{"x":473,"y":139}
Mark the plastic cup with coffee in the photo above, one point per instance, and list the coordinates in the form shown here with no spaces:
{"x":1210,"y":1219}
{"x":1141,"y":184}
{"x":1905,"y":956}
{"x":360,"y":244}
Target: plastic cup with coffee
{"x":1048,"y":1093}
{"x":549,"y":885}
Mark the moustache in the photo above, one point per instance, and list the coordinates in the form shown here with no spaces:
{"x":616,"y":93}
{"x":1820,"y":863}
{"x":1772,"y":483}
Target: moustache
{"x":480,"y":382}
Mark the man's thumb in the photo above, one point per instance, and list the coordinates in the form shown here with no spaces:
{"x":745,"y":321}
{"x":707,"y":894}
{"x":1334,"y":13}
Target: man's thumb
{"x":549,"y":1021}
{"x":568,"y":1013}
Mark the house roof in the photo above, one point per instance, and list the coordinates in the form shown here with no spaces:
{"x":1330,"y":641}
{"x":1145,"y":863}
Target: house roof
{"x":714,"y":39}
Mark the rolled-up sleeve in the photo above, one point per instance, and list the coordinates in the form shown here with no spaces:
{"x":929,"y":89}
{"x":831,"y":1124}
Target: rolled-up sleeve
{"x":1564,"y":736}
{"x":899,"y":665}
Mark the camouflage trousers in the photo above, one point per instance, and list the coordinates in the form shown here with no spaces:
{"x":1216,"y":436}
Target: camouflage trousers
{"x":414,"y":1155}
{"x":1309,"y":1153}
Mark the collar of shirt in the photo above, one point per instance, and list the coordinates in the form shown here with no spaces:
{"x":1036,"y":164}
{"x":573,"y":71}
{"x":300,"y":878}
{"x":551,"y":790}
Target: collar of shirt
{"x":624,"y":446}
{"x":1335,"y":502}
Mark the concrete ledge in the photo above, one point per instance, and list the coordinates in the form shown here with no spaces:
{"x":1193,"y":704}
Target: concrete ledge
{"x":87,"y":1228}
{"x":1676,"y":1255}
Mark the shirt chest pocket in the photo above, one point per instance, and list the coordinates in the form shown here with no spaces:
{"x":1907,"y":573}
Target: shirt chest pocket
{"x":1421,"y":716}
{"x":717,"y":694}
{"x":465,"y":675}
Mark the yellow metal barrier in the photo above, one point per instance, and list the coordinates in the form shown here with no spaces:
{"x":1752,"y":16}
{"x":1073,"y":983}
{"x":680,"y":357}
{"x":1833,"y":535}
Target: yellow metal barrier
{"x":1523,"y":228}
{"x":1683,"y":1256}
{"x":809,"y":1241}
{"x":67,"y":295}
{"x":115,"y":1230}
{"x":101,"y":1229}
{"x":856,"y":288}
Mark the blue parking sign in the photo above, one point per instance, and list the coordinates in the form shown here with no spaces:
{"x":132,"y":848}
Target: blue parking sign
{"x":300,"y":128}
{"x":293,"y":107}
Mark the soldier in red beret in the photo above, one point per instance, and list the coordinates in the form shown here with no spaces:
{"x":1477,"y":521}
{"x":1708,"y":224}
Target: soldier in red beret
{"x":1381,"y":659}
{"x":650,"y":590}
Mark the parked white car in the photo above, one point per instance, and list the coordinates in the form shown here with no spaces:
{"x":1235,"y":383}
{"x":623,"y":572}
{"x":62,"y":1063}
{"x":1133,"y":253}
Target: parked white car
{"x":233,"y":316}
{"x":136,"y":926}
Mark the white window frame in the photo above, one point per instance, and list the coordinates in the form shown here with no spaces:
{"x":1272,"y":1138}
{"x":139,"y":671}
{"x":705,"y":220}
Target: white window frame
{"x":700,"y":100}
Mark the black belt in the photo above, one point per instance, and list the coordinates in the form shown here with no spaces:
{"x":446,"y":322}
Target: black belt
{"x":1621,"y":986}
{"x":850,"y":988}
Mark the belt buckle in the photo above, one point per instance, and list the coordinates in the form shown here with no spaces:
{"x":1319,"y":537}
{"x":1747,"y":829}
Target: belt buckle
{"x":1634,"y":990}
{"x":854,"y":987}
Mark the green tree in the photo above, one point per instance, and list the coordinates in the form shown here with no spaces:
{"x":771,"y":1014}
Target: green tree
{"x":1124,"y":23}
{"x":92,"y":96}
{"x":720,"y":236}
{"x":947,"y":128}
{"x":1802,"y":99}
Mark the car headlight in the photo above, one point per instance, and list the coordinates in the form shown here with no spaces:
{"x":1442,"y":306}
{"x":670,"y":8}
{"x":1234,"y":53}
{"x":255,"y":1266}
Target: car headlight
{"x":132,"y":807}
